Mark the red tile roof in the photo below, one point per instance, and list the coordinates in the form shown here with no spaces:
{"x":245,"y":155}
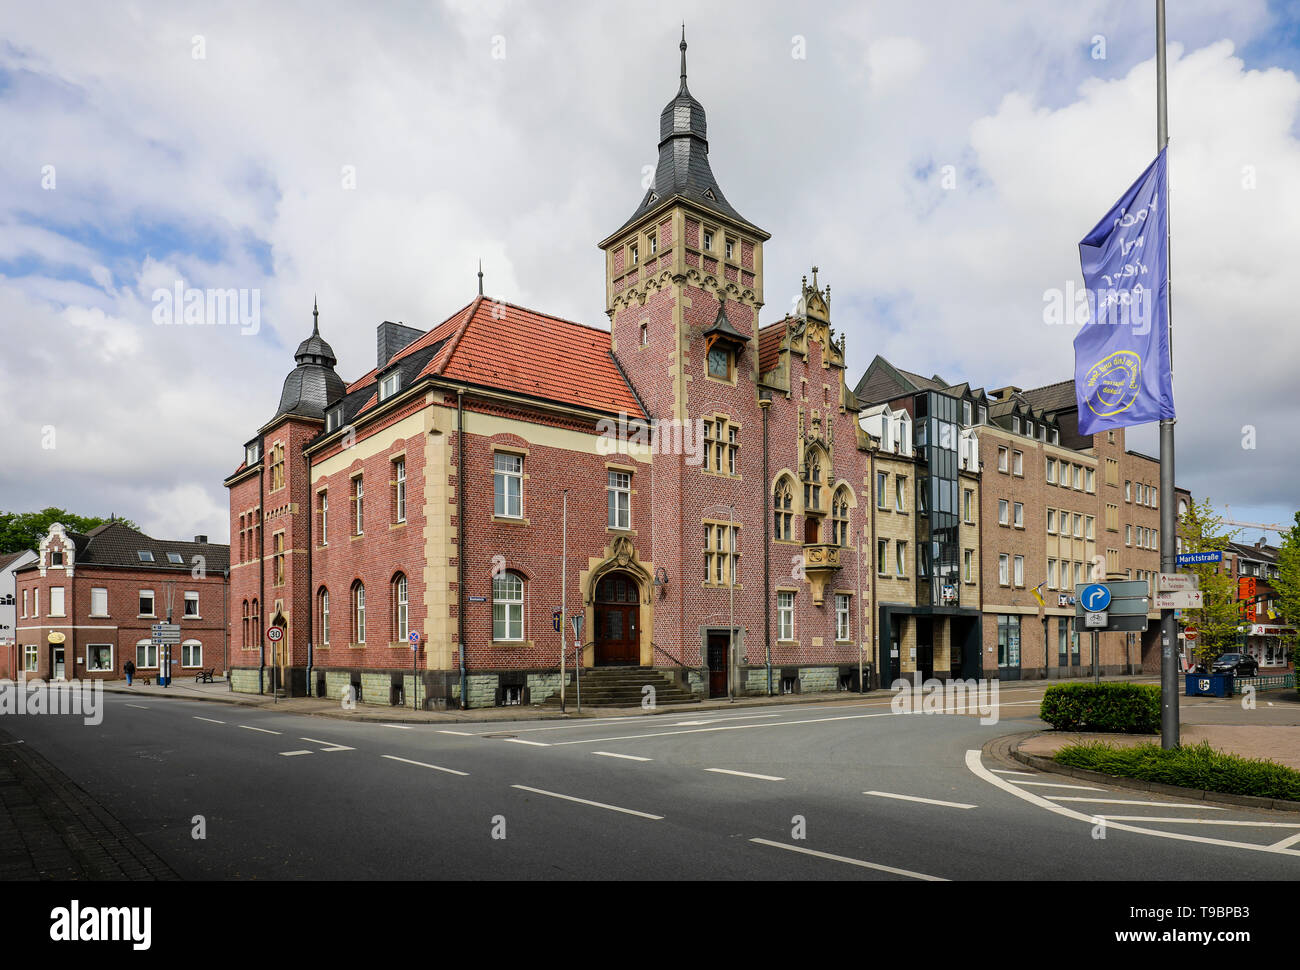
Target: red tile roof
{"x":769,"y":345}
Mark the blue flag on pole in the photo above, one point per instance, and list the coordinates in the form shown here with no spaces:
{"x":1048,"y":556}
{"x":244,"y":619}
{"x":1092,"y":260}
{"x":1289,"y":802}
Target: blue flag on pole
{"x":1121,"y":356}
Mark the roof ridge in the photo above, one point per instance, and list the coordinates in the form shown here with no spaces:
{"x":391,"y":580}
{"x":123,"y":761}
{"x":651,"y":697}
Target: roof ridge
{"x":549,"y":316}
{"x":454,"y":340}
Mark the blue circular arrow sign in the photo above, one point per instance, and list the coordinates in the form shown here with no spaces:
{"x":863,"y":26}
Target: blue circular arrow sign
{"x":1095,"y":597}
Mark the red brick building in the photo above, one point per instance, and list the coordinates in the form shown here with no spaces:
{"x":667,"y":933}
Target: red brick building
{"x":86,"y":605}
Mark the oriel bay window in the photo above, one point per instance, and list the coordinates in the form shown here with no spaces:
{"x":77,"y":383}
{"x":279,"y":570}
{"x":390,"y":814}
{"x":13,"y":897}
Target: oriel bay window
{"x":507,"y":607}
{"x":507,"y":485}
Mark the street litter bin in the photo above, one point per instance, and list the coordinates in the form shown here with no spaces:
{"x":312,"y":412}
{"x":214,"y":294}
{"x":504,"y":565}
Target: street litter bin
{"x":1209,"y":685}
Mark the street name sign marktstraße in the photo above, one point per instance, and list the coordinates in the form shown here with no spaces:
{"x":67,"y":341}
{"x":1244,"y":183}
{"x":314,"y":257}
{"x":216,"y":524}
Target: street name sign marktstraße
{"x":1195,"y":558}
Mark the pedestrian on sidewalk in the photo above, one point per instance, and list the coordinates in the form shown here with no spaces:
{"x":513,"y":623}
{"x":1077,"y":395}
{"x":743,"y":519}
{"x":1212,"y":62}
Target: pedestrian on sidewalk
{"x":128,"y":668}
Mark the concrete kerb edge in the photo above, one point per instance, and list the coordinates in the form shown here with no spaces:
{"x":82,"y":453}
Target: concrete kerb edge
{"x":1012,"y":747}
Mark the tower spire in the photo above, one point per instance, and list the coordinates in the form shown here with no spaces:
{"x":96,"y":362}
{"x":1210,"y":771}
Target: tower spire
{"x":480,"y":277}
{"x":682,"y":46}
{"x":315,"y":317}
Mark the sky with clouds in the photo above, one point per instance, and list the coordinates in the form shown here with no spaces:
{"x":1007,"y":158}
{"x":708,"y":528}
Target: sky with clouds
{"x":371,"y":154}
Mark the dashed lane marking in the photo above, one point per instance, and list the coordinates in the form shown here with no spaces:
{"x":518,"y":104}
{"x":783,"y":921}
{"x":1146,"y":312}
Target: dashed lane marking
{"x":329,"y":745}
{"x":247,"y":727}
{"x":463,"y":734}
{"x":917,"y":798}
{"x":138,"y":707}
{"x":210,"y":720}
{"x":744,"y":774}
{"x":614,"y":754}
{"x":584,"y":801}
{"x":535,"y":744}
{"x":399,"y":727}
{"x":852,"y":862}
{"x":290,"y":754}
{"x":422,"y":764}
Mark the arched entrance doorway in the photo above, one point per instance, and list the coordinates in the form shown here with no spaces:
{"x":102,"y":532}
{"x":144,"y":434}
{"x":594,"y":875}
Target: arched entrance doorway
{"x":617,"y":628}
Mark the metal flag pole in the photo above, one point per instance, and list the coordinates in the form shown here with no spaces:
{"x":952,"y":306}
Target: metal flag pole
{"x":1169,"y":732}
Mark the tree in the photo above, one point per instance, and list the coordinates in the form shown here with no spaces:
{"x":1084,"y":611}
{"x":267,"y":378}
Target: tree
{"x":1287,"y":584}
{"x":1202,"y":530}
{"x":25,"y":530}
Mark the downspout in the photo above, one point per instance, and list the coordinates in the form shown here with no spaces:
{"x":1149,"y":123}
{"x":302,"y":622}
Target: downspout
{"x":460,"y":545}
{"x":764,"y":403}
{"x":261,"y":569}
{"x":311,"y":590}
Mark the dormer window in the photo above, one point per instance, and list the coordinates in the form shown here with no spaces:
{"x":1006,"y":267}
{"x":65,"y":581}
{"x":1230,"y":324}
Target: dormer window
{"x":56,"y":557}
{"x":253,"y":453}
{"x":984,"y":414}
{"x":1015,"y":423}
{"x":389,"y":386}
{"x":1029,"y":428}
{"x":334,"y":418}
{"x":145,"y":555}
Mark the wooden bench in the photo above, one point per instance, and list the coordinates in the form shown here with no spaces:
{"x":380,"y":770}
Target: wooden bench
{"x":205,"y":676}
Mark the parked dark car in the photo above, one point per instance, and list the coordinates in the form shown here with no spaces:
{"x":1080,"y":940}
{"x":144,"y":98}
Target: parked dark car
{"x":1241,"y":664}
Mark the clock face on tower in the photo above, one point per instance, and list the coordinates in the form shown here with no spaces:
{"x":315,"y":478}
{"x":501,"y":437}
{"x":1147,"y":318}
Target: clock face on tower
{"x":720,"y":362}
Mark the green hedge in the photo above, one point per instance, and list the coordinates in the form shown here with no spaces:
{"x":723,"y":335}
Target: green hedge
{"x":1120,"y":708}
{"x":1199,"y":767}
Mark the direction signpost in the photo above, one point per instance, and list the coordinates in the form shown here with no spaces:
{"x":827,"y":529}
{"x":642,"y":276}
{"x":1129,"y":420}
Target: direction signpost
{"x":1118,"y":607}
{"x":415,"y":673}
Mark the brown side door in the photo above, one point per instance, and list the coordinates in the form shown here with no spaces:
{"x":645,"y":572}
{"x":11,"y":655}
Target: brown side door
{"x":717,"y":651}
{"x":617,"y":637}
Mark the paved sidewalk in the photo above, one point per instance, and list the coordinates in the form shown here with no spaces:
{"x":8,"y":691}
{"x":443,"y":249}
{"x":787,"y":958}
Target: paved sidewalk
{"x":50,"y":829}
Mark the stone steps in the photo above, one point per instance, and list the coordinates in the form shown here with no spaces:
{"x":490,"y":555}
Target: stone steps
{"x":623,"y":687}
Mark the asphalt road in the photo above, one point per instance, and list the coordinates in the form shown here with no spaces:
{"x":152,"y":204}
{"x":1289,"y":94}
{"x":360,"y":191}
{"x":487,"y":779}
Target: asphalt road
{"x":836,"y":791}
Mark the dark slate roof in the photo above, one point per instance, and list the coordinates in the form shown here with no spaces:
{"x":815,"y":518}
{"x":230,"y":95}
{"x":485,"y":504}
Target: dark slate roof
{"x":882,"y":381}
{"x":1053,"y":397}
{"x":312,"y":384}
{"x":1248,"y":550}
{"x":722,"y":327}
{"x":115,"y":544}
{"x":683,"y":171}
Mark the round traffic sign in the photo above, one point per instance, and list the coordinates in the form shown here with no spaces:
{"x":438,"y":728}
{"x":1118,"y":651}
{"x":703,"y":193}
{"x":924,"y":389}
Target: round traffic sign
{"x":415,"y":637}
{"x":1191,"y":633}
{"x":1095,"y":597}
{"x":274,"y":634}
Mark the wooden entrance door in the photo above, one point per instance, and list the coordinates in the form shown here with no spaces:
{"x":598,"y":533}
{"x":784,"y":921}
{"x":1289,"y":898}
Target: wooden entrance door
{"x":717,"y":653}
{"x":617,"y":621}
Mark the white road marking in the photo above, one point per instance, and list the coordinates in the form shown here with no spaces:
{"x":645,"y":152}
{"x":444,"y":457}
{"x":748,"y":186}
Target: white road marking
{"x":917,"y":798}
{"x":1202,"y":821}
{"x":1003,"y":771}
{"x":263,"y":730}
{"x":853,"y":862}
{"x":400,"y":727}
{"x":1057,"y":784}
{"x":450,"y":771}
{"x":210,"y":720}
{"x":583,"y":801}
{"x":329,"y":745}
{"x":745,"y":774}
{"x":138,"y":707}
{"x":1287,"y":842}
{"x":1129,"y":801}
{"x":290,"y":754}
{"x":716,"y":720}
{"x":976,"y":766}
{"x":612,"y":754}
{"x":535,"y":744}
{"x":463,"y":734}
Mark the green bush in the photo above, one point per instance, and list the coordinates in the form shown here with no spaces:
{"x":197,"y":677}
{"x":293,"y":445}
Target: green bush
{"x":1121,"y":708}
{"x":1199,"y":767}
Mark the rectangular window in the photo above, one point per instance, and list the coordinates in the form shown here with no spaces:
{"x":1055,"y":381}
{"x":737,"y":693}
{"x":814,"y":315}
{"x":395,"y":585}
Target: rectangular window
{"x":1088,"y":527}
{"x":720,"y":554}
{"x":882,"y":556}
{"x":36,"y":602}
{"x":842,"y":631}
{"x":1112,"y":518}
{"x":966,"y":413}
{"x":1112,"y":471}
{"x":619,"y":490}
{"x":1078,"y":476}
{"x":1128,"y":535}
{"x":389,"y":386}
{"x":191,"y":603}
{"x":1008,"y":641}
{"x":1003,"y":506}
{"x":645,"y":334}
{"x":968,"y":565}
{"x":324,"y":518}
{"x":1018,"y":463}
{"x":1015,"y":423}
{"x":984,"y":414}
{"x":1051,"y":521}
{"x":508,"y":485}
{"x":900,"y":549}
{"x":1004,"y":569}
{"x":1019,"y":572}
{"x":1020,"y":515}
{"x":634,"y":253}
{"x":146,"y":602}
{"x":708,"y":240}
{"x":358,"y":500}
{"x":1051,"y":471}
{"x":882,"y":483}
{"x":56,"y":601}
{"x":99,"y":656}
{"x":968,"y":504}
{"x":399,"y":489}
{"x":30,"y":658}
{"x":900,"y":493}
{"x":277,"y":558}
{"x":99,"y":601}
{"x":1078,"y":574}
{"x":146,"y":655}
{"x":1051,"y":574}
{"x":191,"y":654}
{"x":731,"y":247}
{"x":1128,"y":491}
{"x":24,"y":603}
{"x":1003,"y":459}
{"x":1078,"y":526}
{"x":1089,"y":480}
{"x":784,"y":615}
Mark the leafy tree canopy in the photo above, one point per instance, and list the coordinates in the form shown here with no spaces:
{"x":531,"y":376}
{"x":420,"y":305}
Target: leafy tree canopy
{"x":24,"y":530}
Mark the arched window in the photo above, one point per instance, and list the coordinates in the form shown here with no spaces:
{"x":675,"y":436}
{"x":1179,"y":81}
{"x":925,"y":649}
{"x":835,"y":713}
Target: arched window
{"x":256,"y":625}
{"x":243,"y":642}
{"x":400,"y":627}
{"x":783,"y":509}
{"x":812,"y":482}
{"x":358,"y":612}
{"x":840,"y":517}
{"x":323,"y":597}
{"x":507,"y":607}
